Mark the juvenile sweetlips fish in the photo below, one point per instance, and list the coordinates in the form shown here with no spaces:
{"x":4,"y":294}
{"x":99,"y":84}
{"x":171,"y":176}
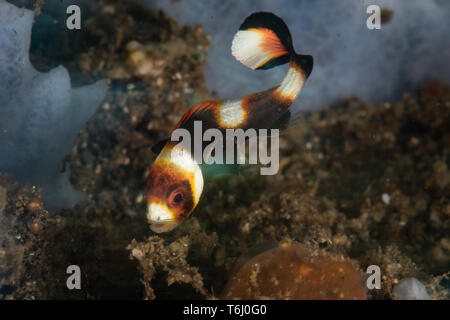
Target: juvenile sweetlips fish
{"x":175,"y":181}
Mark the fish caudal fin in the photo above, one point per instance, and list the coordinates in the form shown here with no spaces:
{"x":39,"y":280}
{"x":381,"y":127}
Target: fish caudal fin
{"x":262,"y":42}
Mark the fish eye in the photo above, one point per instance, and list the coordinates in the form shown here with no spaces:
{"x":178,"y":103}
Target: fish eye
{"x":176,"y":197}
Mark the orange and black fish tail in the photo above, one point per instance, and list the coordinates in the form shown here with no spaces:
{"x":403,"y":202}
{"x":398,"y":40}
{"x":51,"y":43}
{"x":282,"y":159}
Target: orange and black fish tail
{"x":264,"y":41}
{"x":267,"y":33}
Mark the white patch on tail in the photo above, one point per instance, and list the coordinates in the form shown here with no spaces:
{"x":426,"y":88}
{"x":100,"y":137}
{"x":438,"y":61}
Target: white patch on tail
{"x":246,"y":49}
{"x":292,"y":83}
{"x":231,"y":114}
{"x":255,"y":47}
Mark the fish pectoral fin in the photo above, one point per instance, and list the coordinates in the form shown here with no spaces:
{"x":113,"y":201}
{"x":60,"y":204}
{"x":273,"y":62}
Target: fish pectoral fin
{"x":218,"y":171}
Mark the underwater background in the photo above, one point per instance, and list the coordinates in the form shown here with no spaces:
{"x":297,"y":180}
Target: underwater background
{"x":364,"y":174}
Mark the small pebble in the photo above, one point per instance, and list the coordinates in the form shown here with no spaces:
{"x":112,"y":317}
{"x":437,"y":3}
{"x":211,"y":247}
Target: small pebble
{"x":386,"y":198}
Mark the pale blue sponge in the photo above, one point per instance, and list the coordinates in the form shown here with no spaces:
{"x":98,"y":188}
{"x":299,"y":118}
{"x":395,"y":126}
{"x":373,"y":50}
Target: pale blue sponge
{"x":40,"y":114}
{"x":411,"y":289}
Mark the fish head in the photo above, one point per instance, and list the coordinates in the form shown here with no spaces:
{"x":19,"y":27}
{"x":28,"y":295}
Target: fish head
{"x":173,"y":191}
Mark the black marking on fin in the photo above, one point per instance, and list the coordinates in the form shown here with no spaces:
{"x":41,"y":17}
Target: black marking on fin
{"x":305,"y":62}
{"x":275,"y":62}
{"x":270,"y":21}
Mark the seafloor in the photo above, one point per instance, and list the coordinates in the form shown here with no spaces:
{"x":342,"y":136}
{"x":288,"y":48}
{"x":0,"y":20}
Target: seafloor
{"x":366,"y":183}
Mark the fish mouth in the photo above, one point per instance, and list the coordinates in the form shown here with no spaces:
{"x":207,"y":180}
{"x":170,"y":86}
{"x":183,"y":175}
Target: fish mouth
{"x":160,"y":218}
{"x":160,"y":227}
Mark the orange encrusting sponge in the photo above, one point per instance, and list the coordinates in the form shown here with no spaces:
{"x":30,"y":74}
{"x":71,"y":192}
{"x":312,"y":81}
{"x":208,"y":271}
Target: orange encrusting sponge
{"x":295,"y":272}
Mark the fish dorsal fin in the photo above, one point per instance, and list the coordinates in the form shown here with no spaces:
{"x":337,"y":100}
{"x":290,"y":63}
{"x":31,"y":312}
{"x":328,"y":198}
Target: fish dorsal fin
{"x":157,"y":148}
{"x":283,"y":122}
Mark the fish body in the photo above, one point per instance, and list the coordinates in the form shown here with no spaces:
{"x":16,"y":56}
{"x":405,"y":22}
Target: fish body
{"x":175,"y":181}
